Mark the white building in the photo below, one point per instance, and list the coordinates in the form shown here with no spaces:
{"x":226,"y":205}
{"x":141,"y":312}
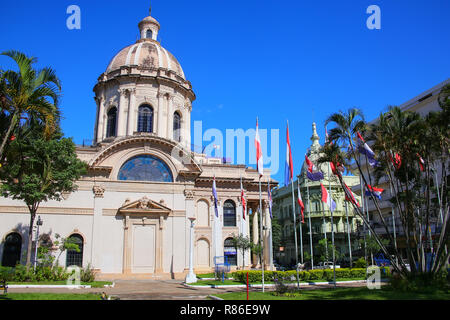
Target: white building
{"x":131,"y":211}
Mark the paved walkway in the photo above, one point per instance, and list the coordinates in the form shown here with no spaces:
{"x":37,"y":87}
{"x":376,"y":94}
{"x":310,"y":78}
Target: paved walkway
{"x":143,"y":290}
{"x":163,"y":290}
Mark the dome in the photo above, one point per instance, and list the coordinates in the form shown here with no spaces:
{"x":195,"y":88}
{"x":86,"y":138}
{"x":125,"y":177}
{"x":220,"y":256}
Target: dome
{"x":146,"y":54}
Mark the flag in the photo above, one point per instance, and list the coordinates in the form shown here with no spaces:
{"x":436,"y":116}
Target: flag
{"x":289,"y":167}
{"x":243,"y":200}
{"x":312,"y":173}
{"x":374,"y":191}
{"x":214,"y":191}
{"x":365,"y":149}
{"x":333,"y":168}
{"x":269,"y":193}
{"x":300,"y":203}
{"x":396,"y":160}
{"x":326,"y":198}
{"x":352,"y":198}
{"x":421,"y":163}
{"x":259,"y":156}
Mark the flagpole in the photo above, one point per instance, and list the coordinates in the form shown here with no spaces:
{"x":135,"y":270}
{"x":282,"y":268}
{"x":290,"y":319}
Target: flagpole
{"x":332,"y":229}
{"x":301,"y":232}
{"x":325,"y":230}
{"x":310,"y":228}
{"x":270,"y":230}
{"x":348,"y":235}
{"x":364,"y":225}
{"x":261,"y":234}
{"x":295,"y":234}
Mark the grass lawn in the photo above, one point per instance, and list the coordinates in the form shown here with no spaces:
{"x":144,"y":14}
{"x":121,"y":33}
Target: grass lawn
{"x":50,"y":296}
{"x":361,"y":293}
{"x":95,"y":284}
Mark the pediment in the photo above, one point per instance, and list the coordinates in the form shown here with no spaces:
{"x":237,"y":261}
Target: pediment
{"x":144,"y":206}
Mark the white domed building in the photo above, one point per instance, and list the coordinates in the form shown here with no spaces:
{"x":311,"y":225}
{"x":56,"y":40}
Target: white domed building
{"x":132,"y":212}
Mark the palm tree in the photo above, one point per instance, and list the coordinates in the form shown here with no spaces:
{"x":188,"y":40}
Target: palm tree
{"x":342,"y":151}
{"x":26,"y":91}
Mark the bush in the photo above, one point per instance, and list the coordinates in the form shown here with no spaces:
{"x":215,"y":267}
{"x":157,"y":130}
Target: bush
{"x":316,"y":274}
{"x":87,"y":274}
{"x":360,"y":263}
{"x":254,"y":276}
{"x":6,"y":273}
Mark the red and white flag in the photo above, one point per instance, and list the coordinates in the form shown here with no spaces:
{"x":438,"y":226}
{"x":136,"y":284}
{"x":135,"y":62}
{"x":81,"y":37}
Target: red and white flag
{"x":243,"y":200}
{"x":300,"y":203}
{"x":259,"y":155}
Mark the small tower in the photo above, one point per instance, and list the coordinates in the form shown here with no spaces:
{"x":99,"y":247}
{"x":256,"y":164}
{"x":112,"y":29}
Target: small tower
{"x":149,"y":27}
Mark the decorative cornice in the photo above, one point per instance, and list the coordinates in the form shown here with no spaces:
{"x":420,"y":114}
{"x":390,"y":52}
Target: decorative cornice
{"x":189,"y":194}
{"x":99,"y":191}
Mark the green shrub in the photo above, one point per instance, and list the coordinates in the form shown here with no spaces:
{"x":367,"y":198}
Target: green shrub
{"x":6,"y":273}
{"x":343,"y":273}
{"x":87,"y":274}
{"x":328,"y":274}
{"x":358,"y":273}
{"x":360,"y":263}
{"x":316,"y":274}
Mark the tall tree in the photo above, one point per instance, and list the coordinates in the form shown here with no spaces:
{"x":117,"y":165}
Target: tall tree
{"x":408,"y":149}
{"x":39,"y":169}
{"x":28,"y":91}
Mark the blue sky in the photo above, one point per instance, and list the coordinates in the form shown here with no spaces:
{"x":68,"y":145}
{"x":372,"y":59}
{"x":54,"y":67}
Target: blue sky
{"x":278,"y":60}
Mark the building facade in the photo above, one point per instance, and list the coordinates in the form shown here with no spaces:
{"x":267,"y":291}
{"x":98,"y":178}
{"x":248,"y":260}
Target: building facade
{"x":132,"y":212}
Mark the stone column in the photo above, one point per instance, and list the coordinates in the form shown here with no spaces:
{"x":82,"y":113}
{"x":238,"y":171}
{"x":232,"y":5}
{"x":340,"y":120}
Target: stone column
{"x":121,"y":121}
{"x":100,"y":119}
{"x":169,"y":127}
{"x":131,"y":112}
{"x":186,"y":133}
{"x":268,"y":259}
{"x":191,"y":277}
{"x":161,"y":108}
{"x":96,"y":230}
{"x":255,"y":234}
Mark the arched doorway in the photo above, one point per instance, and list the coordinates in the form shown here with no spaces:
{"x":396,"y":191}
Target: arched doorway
{"x":73,"y":257}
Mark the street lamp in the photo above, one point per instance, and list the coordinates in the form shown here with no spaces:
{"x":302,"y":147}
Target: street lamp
{"x":39,"y":223}
{"x":191,"y":277}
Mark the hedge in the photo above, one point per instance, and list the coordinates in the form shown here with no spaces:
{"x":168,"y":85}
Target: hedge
{"x":254,"y":276}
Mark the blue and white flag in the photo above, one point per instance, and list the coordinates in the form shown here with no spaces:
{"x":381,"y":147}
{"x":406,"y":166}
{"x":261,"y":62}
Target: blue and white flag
{"x":312,"y":172}
{"x":365,"y":149}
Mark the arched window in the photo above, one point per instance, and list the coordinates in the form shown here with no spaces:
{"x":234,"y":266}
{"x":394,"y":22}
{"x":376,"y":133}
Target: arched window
{"x":177,"y":127}
{"x":145,"y":168}
{"x":230,"y":251}
{"x":229,"y":214}
{"x":73,"y":257}
{"x":145,"y":119}
{"x":111,"y":123}
{"x":12,"y":248}
{"x":149,"y":34}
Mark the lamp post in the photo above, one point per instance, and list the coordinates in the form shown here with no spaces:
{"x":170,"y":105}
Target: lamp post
{"x":39,"y":223}
{"x":191,"y":277}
